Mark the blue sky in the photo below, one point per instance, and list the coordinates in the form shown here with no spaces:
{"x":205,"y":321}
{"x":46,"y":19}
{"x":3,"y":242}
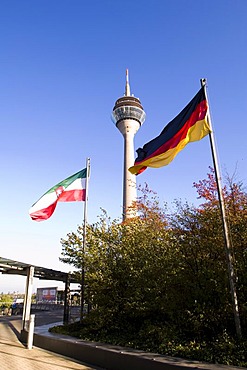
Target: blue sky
{"x":62,"y":67}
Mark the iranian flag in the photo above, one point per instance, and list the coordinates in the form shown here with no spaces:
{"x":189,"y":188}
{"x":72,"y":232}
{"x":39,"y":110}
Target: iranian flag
{"x":71,"y":189}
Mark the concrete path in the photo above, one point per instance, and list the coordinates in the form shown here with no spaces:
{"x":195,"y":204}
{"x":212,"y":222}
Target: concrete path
{"x":15,"y":356}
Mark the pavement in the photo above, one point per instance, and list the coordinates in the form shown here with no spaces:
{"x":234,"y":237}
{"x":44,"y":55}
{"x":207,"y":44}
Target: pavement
{"x":15,"y":356}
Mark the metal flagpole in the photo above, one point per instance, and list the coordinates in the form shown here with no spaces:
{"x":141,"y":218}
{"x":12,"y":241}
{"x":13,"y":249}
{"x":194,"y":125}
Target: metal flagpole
{"x":84,"y":241}
{"x":229,"y":257}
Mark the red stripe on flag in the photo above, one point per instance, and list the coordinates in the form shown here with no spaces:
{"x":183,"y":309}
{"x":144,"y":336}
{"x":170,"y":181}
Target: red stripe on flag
{"x":198,"y":114}
{"x":43,"y":214}
{"x":72,"y":195}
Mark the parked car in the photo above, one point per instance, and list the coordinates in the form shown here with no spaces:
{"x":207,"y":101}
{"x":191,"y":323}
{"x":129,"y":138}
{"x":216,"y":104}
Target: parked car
{"x":17,"y":306}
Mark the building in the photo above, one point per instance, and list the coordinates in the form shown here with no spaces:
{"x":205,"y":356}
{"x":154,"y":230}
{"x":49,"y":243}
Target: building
{"x":128,"y":116}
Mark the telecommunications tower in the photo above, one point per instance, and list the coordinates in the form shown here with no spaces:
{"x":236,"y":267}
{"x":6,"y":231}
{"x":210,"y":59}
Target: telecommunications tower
{"x":128,"y":116}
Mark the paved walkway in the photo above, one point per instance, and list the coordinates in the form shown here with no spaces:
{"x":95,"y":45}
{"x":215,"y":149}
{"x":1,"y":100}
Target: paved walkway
{"x":15,"y":356}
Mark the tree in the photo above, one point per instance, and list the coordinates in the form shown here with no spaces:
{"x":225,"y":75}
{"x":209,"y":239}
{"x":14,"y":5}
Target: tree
{"x":235,"y":200}
{"x":164,"y":275}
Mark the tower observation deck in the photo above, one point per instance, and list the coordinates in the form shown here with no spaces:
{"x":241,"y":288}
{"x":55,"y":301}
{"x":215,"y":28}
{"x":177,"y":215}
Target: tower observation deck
{"x":128,"y":116}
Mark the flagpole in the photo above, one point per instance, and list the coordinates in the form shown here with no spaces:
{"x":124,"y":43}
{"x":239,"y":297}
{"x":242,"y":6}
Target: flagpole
{"x":84,"y":240}
{"x":228,"y":248}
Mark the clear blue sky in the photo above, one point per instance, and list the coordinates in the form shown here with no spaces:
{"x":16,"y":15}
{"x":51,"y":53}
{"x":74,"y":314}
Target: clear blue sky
{"x":62,"y":67}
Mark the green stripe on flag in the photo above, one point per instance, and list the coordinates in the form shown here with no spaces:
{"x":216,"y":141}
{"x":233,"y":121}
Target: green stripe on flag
{"x":65,"y":183}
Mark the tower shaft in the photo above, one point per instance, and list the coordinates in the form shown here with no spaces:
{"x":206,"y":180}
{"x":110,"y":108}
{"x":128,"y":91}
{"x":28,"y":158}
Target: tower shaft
{"x":128,"y":128}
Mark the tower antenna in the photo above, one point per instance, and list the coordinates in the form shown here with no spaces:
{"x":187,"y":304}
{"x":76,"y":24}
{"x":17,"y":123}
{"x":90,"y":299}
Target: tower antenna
{"x":127,"y":86}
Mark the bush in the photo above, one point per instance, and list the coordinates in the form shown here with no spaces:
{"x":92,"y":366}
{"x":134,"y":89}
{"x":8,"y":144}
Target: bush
{"x":161,"y":339}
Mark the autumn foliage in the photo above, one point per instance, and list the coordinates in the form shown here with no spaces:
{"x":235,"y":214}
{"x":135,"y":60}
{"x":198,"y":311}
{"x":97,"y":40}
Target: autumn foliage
{"x":159,"y":281}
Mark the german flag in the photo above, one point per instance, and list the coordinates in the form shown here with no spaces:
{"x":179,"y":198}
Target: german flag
{"x":189,"y":125}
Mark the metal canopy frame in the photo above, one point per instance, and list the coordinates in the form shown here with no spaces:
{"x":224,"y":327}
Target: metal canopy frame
{"x":11,"y":267}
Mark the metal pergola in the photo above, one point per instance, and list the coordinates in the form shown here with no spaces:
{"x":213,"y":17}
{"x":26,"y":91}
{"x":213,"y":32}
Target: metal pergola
{"x":11,"y":267}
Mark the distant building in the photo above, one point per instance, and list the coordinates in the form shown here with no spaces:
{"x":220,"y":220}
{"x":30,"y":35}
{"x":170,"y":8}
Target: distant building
{"x":47,"y":295}
{"x":57,"y":296}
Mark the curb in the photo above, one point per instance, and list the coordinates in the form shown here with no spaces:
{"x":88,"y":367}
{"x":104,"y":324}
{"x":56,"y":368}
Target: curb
{"x":114,"y":357}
